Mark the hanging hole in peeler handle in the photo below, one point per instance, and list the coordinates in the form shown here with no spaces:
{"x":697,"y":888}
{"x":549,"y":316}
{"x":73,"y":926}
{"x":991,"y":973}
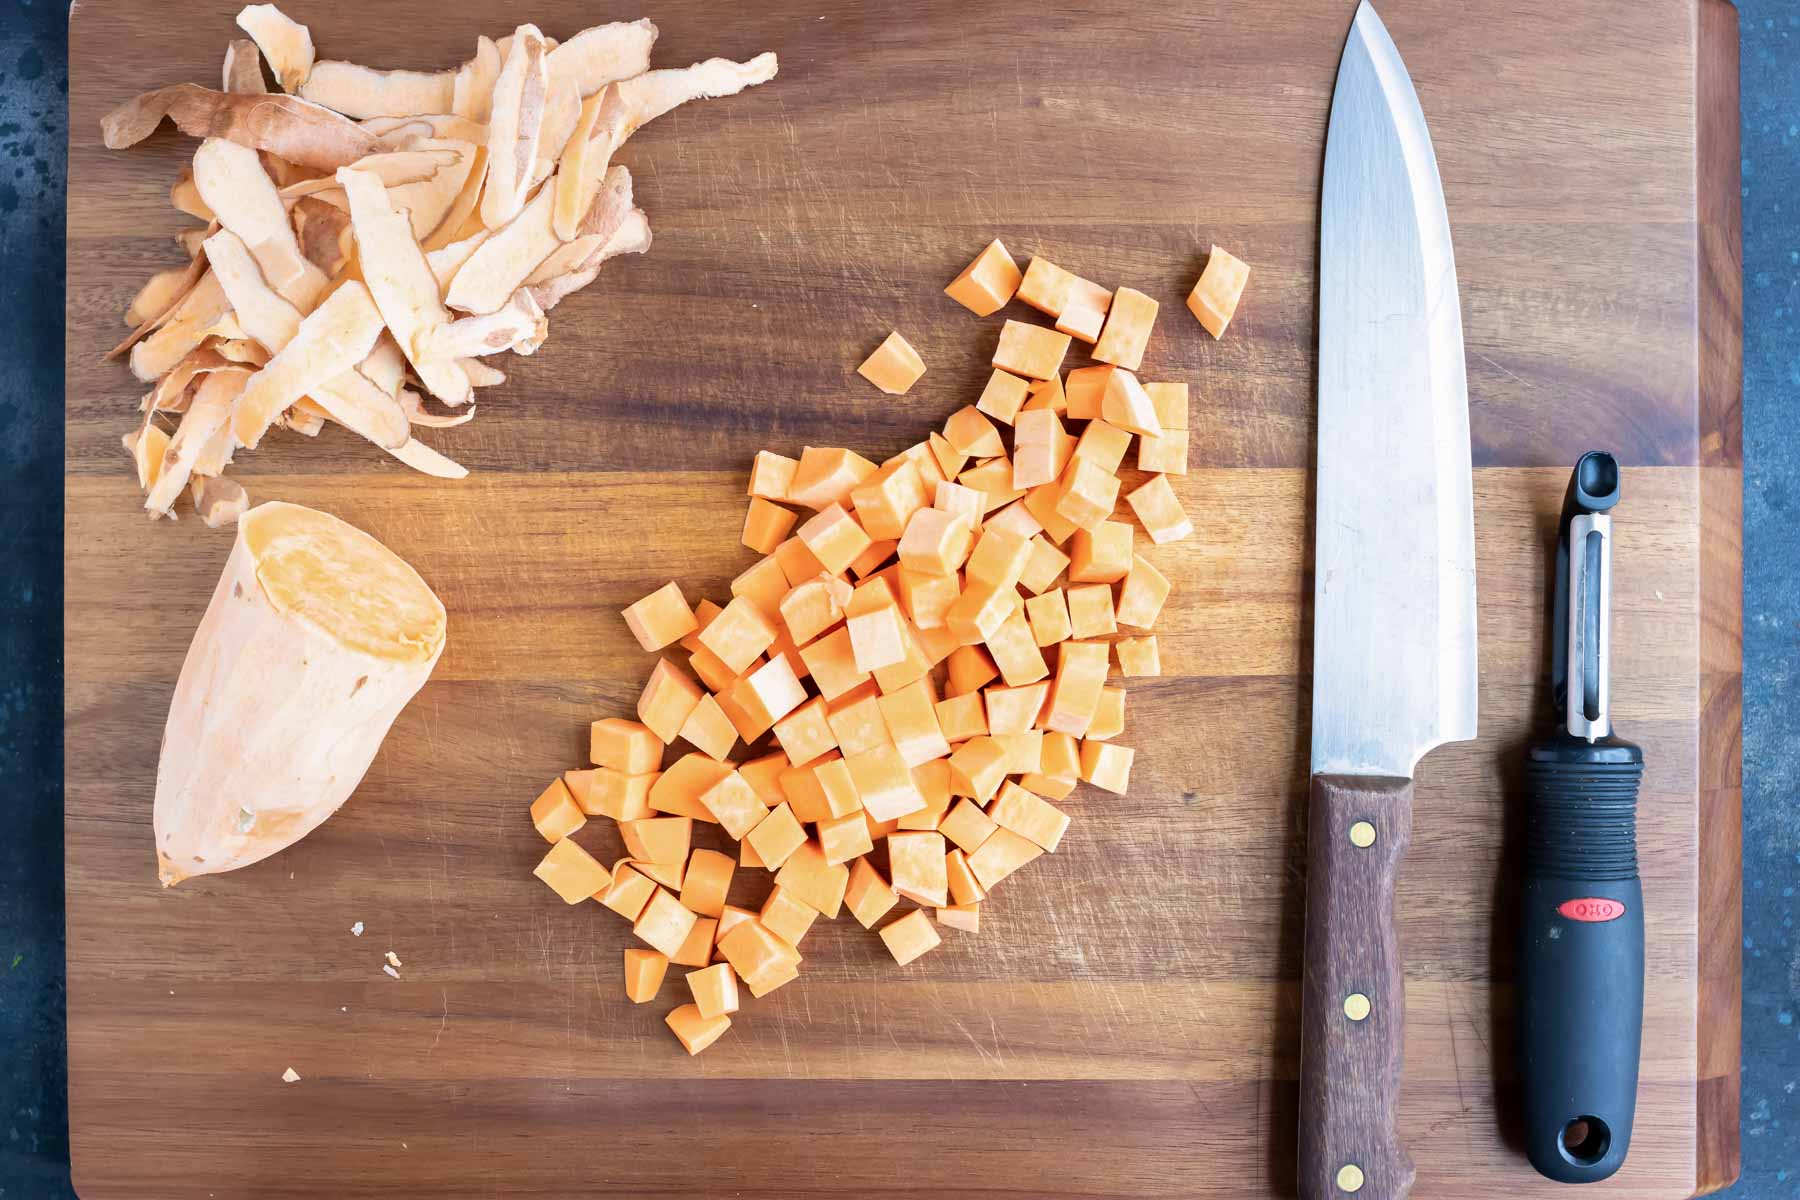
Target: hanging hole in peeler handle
{"x":1585,"y":1141}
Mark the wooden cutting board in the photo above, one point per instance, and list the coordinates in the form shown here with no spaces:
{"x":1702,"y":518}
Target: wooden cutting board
{"x":1125,"y":1022}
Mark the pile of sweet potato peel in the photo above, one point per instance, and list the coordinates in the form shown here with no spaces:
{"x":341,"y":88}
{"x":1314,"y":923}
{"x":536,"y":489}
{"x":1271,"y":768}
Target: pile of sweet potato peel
{"x":373,"y":236}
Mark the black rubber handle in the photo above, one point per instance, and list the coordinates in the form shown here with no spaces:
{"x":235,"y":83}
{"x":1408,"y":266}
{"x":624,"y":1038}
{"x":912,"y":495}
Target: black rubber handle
{"x":1581,"y":958}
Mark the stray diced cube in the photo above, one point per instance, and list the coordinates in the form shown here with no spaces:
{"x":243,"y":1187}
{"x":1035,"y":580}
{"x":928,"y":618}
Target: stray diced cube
{"x":571,"y":872}
{"x":1138,"y":656}
{"x":966,"y":917}
{"x":1217,"y":292}
{"x":715,"y":990}
{"x":644,"y":971}
{"x":894,"y":366}
{"x":661,"y":618}
{"x":985,"y":285}
{"x":1127,"y":332}
{"x":910,"y":936}
{"x":1030,"y":350}
{"x":694,"y":1031}
{"x":1107,"y":765}
{"x":555,"y":812}
{"x":664,"y":923}
{"x":868,"y":896}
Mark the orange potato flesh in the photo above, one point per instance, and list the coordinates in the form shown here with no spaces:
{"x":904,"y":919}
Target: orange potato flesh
{"x":604,"y":792}
{"x":1166,"y":455}
{"x":846,"y":838}
{"x":677,"y":791}
{"x":886,"y":500}
{"x":709,"y":730}
{"x":627,"y":892}
{"x":1088,"y":495}
{"x":910,"y":936}
{"x":936,"y":542}
{"x":993,"y":478}
{"x":797,"y":562}
{"x":962,"y":717}
{"x":1142,"y":595}
{"x":966,"y":917}
{"x":664,"y":924}
{"x":1041,"y":502}
{"x":644,"y":971}
{"x":555,"y":813}
{"x":696,"y":948}
{"x":738,"y":635}
{"x":571,"y":872}
{"x":1031,"y":817}
{"x":667,"y":699}
{"x":1014,"y":709}
{"x":867,"y":895}
{"x":626,"y":746}
{"x":1030,"y":350}
{"x":876,"y":638}
{"x":776,"y":836}
{"x":977,"y":768}
{"x":964,"y":887}
{"x":1046,"y":394}
{"x":813,"y":881}
{"x":1084,"y":390}
{"x":912,"y":724}
{"x":715,"y":991}
{"x":884,"y":783}
{"x":999,"y":856}
{"x":970,"y":669}
{"x":658,"y":839}
{"x":1080,"y":674}
{"x":834,"y":538}
{"x":708,"y":879}
{"x":949,"y":459}
{"x":1159,"y":510}
{"x":1048,"y":616}
{"x":661,"y":618}
{"x":1109,"y":715}
{"x":693,"y":1031}
{"x":1127,"y":332}
{"x":1043,"y":567}
{"x":1082,"y":322}
{"x":1091,"y":611}
{"x":1103,"y":444}
{"x":1126,"y":404}
{"x":964,"y":501}
{"x":1137,"y":656}
{"x":1015,"y":651}
{"x":763,"y":584}
{"x":766,"y":525}
{"x":1002,"y":397}
{"x":771,"y":475}
{"x":926,"y":597}
{"x":1218,"y":290}
{"x":827,"y":475}
{"x":1107,"y":765}
{"x":805,"y":733}
{"x":998,"y":559}
{"x":932,"y":778}
{"x":985,"y":285}
{"x":1171,"y":403}
{"x":966,"y":825}
{"x":855,"y":720}
{"x":831,"y":661}
{"x":735,"y":804}
{"x":787,"y":917}
{"x":1041,"y":448}
{"x":894,"y":366}
{"x":972,"y":434}
{"x":916,"y":863}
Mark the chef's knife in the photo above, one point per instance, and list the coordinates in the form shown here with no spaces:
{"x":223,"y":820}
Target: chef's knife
{"x":1581,"y":919}
{"x":1393,"y":601}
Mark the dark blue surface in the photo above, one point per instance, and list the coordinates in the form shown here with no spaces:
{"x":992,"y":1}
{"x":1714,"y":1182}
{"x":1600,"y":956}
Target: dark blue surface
{"x":33,"y":116}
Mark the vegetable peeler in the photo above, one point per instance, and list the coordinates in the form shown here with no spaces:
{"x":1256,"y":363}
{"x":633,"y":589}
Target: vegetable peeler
{"x":1581,"y":957}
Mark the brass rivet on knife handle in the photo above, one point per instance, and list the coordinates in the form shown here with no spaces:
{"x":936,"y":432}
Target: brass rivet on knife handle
{"x":1350,"y":1064}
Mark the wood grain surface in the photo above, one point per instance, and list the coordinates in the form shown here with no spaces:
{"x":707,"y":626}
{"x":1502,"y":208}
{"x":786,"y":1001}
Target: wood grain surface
{"x":1126,"y":1023}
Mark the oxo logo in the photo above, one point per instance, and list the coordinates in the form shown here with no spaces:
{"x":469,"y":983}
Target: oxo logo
{"x":1591,"y":908}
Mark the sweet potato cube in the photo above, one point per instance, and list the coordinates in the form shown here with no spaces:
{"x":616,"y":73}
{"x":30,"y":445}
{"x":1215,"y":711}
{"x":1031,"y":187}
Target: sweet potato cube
{"x":667,"y":699}
{"x":1089,"y":493}
{"x":966,"y":825}
{"x":744,"y":710}
{"x":914,"y":666}
{"x":927,"y":598}
{"x":1014,"y":709}
{"x":1084,"y":390}
{"x":661,"y":618}
{"x":766,"y":526}
{"x":1015,"y":651}
{"x":884,"y":783}
{"x":964,"y":887}
{"x":626,"y":892}
{"x":813,"y":606}
{"x":867,"y":896}
{"x":1103,"y":444}
{"x":1001,"y":855}
{"x":979,"y":612}
{"x":805,"y":734}
{"x":644,"y":971}
{"x":935,"y":542}
{"x":966,"y":917}
{"x":916,"y":861}
{"x":1171,"y":403}
{"x":1217,"y":292}
{"x":1046,"y":394}
{"x":729,"y":918}
{"x":797,"y":563}
{"x":603,"y":792}
{"x":748,"y":857}
{"x":1126,"y":404}
{"x":777,"y":688}
{"x":834,"y":537}
{"x":1050,"y":787}
{"x":870,"y":595}
{"x":1002,"y":397}
{"x":999,"y":559}
{"x":985,"y":285}
{"x":1166,"y":455}
{"x":1137,"y":656}
{"x":813,"y":881}
{"x":664,"y":923}
{"x":762,"y":774}
{"x":970,"y":433}
{"x":1080,"y":674}
{"x":715,"y":990}
{"x":555,"y":813}
{"x":832,"y":663}
{"x":677,"y":791}
{"x":738,"y":635}
{"x":977,"y":768}
{"x":762,"y":584}
{"x":910,"y":936}
{"x":993,"y":478}
{"x":971,"y":668}
{"x":1050,"y":289}
{"x":1109,"y":715}
{"x":658,"y":839}
{"x":1159,"y":510}
{"x":876,"y":638}
{"x":776,"y":836}
{"x":571,"y":872}
{"x":762,"y":985}
{"x":1031,"y":817}
{"x":1015,"y":518}
{"x":1091,"y":611}
{"x":669,"y":875}
{"x":771,"y":474}
{"x":708,"y":729}
{"x":805,"y":791}
{"x":962,"y":717}
{"x":879,"y":830}
{"x":1107,"y":765}
{"x":1128,"y":325}
{"x":1042,"y":568}
{"x":845,"y":838}
{"x":836,"y":788}
{"x":953,"y":497}
{"x":885,"y":500}
{"x":626,"y":746}
{"x":1041,"y":448}
{"x":912,"y":724}
{"x":1041,"y":502}
{"x":1048,"y":616}
{"x":735,"y":804}
{"x":1030,"y":350}
{"x":1142,"y":595}
{"x":754,"y":951}
{"x":874,"y":561}
{"x":694,"y":1031}
{"x":826,"y":476}
{"x":933,"y":781}
{"x":787,"y":917}
{"x":708,"y":879}
{"x":894,"y":366}
{"x":949,"y":459}
{"x":697,"y":948}
{"x":1024,"y":751}
{"x":1061,"y":758}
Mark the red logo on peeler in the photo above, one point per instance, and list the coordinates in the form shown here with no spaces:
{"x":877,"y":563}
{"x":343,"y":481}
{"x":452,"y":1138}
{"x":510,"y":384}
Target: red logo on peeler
{"x":1591,"y":908}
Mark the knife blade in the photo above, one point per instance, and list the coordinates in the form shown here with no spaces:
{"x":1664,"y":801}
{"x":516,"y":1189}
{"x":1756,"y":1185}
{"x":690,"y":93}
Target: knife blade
{"x":1394,"y":666}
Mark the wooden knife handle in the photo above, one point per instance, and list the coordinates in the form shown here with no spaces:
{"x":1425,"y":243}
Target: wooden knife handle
{"x":1353,"y":996}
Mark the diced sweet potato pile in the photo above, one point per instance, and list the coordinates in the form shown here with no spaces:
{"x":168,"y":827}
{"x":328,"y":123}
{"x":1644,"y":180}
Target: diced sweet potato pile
{"x":372,"y":237}
{"x":898,"y":697}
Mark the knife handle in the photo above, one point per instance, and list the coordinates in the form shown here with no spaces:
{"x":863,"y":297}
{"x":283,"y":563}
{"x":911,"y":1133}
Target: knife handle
{"x":1581,"y":957}
{"x":1353,"y":997}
